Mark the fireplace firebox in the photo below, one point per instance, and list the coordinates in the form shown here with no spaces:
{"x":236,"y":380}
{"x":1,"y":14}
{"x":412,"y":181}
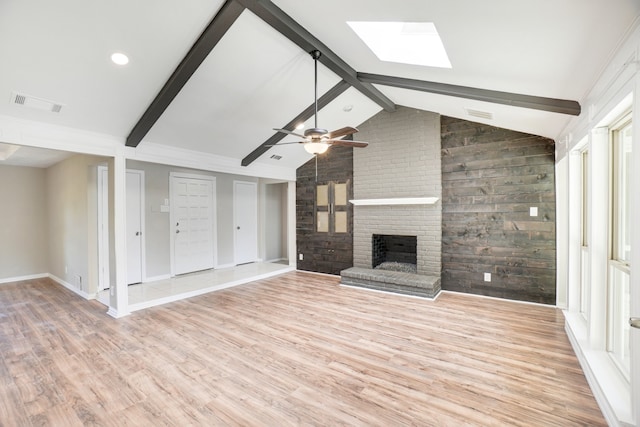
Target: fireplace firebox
{"x":387,"y":248}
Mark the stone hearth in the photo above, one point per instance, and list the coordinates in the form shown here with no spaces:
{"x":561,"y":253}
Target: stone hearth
{"x":392,"y":281}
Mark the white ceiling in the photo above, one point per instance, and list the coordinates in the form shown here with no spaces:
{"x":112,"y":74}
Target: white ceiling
{"x":256,"y":79}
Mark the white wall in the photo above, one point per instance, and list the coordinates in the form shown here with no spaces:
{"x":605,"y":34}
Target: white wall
{"x":71,"y":213}
{"x":275,"y":222}
{"x":23,"y":224}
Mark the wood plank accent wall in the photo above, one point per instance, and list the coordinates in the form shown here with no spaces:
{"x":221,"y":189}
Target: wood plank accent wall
{"x":323,"y":252}
{"x":490,"y":179}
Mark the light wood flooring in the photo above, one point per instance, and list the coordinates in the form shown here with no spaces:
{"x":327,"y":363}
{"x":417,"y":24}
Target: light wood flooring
{"x":296,"y":349}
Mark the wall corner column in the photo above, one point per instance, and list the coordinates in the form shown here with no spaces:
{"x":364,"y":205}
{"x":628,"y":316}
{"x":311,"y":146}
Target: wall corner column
{"x":119,"y":294}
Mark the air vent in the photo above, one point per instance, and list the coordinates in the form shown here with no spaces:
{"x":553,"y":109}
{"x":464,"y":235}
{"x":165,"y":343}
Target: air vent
{"x":276,"y":157}
{"x":480,"y":114}
{"x":36,"y":103}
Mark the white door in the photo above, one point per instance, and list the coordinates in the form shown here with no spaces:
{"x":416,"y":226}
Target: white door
{"x":245,"y":219}
{"x":135,"y":183}
{"x":103,"y":228}
{"x":192,"y":222}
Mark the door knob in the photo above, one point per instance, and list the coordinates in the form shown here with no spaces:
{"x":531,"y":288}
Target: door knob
{"x":634,"y":322}
{"x":238,"y":227}
{"x":137,"y":233}
{"x":177,"y":231}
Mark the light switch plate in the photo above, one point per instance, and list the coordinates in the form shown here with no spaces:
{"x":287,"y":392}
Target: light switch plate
{"x":487,"y":277}
{"x":533,"y":211}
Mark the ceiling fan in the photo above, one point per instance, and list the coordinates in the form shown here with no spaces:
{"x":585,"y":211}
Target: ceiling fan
{"x":317,"y":140}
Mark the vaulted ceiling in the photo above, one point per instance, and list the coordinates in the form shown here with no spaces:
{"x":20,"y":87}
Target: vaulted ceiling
{"x":259,"y":74}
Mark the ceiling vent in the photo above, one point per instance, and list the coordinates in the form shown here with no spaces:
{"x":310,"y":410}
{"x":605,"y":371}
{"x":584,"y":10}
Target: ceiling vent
{"x":276,"y":157}
{"x":479,"y":114}
{"x":37,"y":103}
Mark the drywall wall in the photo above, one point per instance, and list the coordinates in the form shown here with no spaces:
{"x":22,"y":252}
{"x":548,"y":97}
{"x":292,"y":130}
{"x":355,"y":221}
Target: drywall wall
{"x":72,"y":222}
{"x":23,"y":224}
{"x":275,"y":221}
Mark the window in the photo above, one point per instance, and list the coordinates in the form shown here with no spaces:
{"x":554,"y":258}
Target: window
{"x":618,"y":301}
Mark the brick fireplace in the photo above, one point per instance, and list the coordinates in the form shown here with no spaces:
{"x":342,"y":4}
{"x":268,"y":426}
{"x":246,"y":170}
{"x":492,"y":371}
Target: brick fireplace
{"x":395,"y":175}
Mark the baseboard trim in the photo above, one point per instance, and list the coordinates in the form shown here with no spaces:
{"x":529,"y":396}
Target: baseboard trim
{"x":156,"y":278}
{"x":22,"y":278}
{"x":221,"y":266}
{"x":115,"y":314}
{"x":72,"y":288}
{"x":538,"y":304}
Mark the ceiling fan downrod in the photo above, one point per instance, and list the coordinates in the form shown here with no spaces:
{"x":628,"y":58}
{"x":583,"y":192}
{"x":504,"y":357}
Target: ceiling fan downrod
{"x":315,"y":54}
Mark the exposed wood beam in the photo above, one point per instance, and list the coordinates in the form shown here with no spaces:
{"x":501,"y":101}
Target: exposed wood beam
{"x":325,"y":99}
{"x":217,"y":28}
{"x":295,"y":32}
{"x":518,"y":100}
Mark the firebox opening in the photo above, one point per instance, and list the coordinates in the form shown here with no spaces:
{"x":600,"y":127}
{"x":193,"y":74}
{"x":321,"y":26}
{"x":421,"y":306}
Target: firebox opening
{"x":393,"y":252}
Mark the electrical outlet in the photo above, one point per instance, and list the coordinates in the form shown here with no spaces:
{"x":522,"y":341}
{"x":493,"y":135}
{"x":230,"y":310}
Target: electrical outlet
{"x":533,"y":211}
{"x":487,"y":277}
{"x":301,"y":257}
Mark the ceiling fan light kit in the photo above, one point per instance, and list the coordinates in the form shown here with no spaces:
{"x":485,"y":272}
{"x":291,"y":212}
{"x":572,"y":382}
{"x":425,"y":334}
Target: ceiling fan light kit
{"x":317,"y":140}
{"x":315,"y":147}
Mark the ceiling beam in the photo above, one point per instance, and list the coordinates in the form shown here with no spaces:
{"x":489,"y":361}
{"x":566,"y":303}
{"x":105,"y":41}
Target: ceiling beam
{"x":325,"y":99}
{"x":217,"y":28}
{"x":295,"y":32}
{"x":517,"y":100}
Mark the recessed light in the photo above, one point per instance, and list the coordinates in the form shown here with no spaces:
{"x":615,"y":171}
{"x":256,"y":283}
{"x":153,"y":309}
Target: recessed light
{"x":347,"y":108}
{"x":119,"y":58}
{"x":300,"y":126}
{"x":416,"y":43}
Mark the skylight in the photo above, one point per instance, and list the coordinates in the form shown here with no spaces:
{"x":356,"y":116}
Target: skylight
{"x":416,"y":43}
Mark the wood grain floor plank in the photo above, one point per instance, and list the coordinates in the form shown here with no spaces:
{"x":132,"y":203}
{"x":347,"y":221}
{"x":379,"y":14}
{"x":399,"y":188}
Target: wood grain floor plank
{"x":297,"y":349}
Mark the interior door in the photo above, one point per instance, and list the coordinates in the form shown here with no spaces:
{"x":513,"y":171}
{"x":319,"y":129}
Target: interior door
{"x":192,"y":219}
{"x":134,"y":226}
{"x":245,"y":218}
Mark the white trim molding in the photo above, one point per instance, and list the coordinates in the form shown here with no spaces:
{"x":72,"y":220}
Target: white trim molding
{"x":22,"y":278}
{"x":395,"y":201}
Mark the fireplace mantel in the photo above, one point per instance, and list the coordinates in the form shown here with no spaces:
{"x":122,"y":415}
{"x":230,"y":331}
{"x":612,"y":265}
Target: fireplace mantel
{"x":395,"y":201}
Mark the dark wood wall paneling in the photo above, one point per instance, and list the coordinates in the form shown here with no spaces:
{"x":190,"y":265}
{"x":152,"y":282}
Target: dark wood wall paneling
{"x":490,"y":179}
{"x":323,"y":252}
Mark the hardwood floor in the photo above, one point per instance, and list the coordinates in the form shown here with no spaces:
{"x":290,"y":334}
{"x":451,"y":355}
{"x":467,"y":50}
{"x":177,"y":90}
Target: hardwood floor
{"x":296,"y":349}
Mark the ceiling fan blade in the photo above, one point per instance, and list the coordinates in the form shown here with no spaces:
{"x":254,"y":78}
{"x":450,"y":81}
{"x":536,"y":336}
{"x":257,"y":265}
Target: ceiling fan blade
{"x":289,"y":132}
{"x":342,"y":132}
{"x":346,"y":143}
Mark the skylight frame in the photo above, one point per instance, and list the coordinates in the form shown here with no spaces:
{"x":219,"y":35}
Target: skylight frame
{"x":413,"y":43}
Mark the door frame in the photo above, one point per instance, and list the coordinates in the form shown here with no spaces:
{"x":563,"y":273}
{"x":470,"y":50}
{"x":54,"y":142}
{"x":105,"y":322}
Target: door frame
{"x":104,"y":263}
{"x":235,"y":221}
{"x":172,"y":215}
{"x":143,"y":255}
